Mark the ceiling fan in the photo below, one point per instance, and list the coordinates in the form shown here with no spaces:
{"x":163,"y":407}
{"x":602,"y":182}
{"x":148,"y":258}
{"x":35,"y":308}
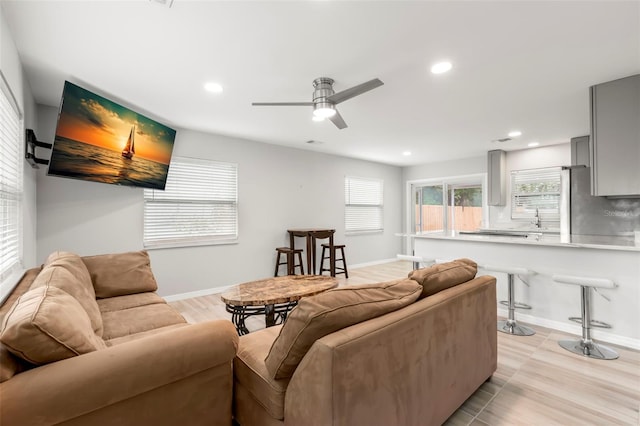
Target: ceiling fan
{"x":325,"y":99}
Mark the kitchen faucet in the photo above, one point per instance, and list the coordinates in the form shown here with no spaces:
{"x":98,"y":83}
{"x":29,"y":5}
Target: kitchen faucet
{"x":536,"y":221}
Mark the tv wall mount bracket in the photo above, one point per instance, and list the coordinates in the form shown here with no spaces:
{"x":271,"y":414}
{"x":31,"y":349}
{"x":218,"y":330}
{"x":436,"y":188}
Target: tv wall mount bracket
{"x":31,"y":142}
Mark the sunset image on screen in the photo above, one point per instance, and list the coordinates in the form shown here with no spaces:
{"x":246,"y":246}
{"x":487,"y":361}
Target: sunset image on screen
{"x":98,"y":139}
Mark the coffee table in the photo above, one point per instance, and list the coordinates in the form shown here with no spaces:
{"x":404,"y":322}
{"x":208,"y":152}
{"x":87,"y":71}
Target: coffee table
{"x":273,"y":297}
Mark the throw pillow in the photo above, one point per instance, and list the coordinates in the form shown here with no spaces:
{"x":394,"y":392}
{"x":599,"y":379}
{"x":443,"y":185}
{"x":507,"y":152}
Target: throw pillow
{"x":121,"y":273}
{"x":444,"y":275}
{"x":322,"y":314}
{"x":67,"y":272}
{"x":46,"y":324}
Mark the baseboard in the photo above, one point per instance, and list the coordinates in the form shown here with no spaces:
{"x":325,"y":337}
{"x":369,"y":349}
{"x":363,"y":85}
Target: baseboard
{"x":375,"y":262}
{"x":189,"y":295}
{"x":598,"y":335}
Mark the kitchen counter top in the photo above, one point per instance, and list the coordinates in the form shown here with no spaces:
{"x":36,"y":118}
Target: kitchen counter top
{"x":602,"y":242}
{"x":545,"y":255}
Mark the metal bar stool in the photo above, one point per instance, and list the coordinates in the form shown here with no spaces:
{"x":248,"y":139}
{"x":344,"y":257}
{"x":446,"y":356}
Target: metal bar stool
{"x":290,"y":260}
{"x":510,"y":326}
{"x":417,"y":260}
{"x":331,"y":256}
{"x":586,"y":346}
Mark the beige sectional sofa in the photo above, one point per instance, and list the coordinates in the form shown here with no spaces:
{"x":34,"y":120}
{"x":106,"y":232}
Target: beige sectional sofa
{"x":412,"y":366}
{"x":87,"y":341}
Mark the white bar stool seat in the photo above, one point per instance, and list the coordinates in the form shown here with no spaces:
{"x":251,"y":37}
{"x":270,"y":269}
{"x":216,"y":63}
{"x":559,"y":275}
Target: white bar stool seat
{"x":586,"y":346}
{"x":510,"y":326}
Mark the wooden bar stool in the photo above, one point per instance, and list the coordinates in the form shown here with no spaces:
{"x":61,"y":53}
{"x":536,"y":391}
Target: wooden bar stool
{"x":586,"y":346}
{"x":338,"y":270}
{"x":510,"y":326}
{"x":290,"y":260}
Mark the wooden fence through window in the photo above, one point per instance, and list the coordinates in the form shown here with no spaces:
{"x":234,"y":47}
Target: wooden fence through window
{"x":466,"y":218}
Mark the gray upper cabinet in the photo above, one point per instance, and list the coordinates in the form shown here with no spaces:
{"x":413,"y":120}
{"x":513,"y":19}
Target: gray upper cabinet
{"x":580,"y":151}
{"x":497,"y":194}
{"x":615,"y":138}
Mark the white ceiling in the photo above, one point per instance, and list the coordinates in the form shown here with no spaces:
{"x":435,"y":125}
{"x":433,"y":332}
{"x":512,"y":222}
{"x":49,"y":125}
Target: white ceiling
{"x":523,"y":65}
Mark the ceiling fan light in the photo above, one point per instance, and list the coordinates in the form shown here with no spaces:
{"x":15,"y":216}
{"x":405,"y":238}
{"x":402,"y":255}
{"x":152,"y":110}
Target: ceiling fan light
{"x":317,"y":118}
{"x":324,"y":110}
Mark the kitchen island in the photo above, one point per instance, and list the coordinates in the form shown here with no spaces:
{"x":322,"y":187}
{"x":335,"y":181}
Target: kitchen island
{"x":616,"y":258}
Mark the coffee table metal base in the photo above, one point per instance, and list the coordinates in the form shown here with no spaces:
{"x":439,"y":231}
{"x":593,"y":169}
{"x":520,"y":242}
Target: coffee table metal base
{"x":274,"y":314}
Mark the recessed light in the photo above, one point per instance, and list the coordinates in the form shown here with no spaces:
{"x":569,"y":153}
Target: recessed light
{"x":532,"y":144}
{"x":213,"y":87}
{"x":406,"y":153}
{"x":441,"y":67}
{"x":515,"y":134}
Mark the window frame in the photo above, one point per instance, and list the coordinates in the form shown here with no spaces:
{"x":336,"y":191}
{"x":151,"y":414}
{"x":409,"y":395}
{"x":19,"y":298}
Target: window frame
{"x":518,"y":177}
{"x":447,"y":183}
{"x":203,"y":201}
{"x":11,"y":188}
{"x":351,"y":206}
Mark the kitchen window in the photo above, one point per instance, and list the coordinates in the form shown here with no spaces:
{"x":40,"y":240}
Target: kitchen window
{"x":11,"y":171}
{"x":363,"y":211}
{"x":199,"y":205}
{"x":536,"y":194}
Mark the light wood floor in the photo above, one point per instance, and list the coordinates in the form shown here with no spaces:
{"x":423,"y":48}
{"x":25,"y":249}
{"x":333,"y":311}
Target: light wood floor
{"x":537,"y":382}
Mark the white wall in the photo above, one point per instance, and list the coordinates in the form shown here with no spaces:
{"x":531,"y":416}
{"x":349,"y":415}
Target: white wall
{"x":279,"y":188}
{"x":465,"y":166}
{"x":13,"y":74}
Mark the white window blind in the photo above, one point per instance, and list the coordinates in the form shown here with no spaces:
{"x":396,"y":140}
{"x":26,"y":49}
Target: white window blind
{"x":11,"y":146}
{"x":199,"y":205}
{"x":363,"y":204}
{"x":536,"y":190}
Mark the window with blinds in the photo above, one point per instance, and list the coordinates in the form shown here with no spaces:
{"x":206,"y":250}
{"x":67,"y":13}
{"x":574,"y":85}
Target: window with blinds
{"x":11,"y":146}
{"x":199,"y":205}
{"x":363,"y":204}
{"x":536,"y":190}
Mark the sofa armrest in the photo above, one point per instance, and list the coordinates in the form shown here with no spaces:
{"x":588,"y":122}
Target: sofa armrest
{"x":77,"y":386}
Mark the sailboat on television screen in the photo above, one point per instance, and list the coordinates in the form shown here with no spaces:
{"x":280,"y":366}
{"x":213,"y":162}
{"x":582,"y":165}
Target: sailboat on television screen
{"x":130,"y":148}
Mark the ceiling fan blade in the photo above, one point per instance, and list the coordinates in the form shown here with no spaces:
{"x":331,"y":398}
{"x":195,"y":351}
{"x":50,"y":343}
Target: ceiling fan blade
{"x":338,"y":120}
{"x":336,"y":98}
{"x":282,"y":103}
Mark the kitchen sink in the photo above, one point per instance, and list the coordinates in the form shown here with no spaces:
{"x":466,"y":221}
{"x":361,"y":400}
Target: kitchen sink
{"x":497,"y":233}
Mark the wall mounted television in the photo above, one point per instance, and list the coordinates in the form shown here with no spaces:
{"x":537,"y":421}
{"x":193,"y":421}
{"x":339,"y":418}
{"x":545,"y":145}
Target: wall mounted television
{"x":102,"y":141}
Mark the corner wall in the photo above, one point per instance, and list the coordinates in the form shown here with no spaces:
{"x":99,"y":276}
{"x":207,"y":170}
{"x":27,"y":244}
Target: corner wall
{"x":278,"y":188}
{"x":12,"y":71}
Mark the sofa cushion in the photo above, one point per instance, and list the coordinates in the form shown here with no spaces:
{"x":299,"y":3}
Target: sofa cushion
{"x":438,"y":277}
{"x":67,"y":272}
{"x":118,"y":303}
{"x":322,"y":314}
{"x":10,"y":365}
{"x":136,"y":320}
{"x":47,"y":324}
{"x":251,"y":373}
{"x":121,"y":273}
